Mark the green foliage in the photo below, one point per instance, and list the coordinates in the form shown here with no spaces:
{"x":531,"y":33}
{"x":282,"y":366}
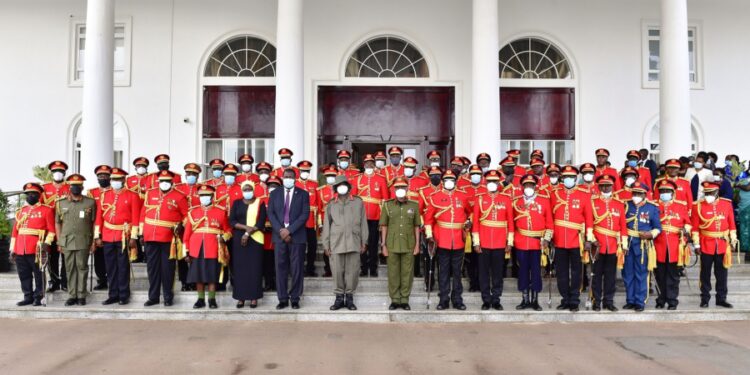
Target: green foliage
{"x":42,"y":173}
{"x":5,"y":227}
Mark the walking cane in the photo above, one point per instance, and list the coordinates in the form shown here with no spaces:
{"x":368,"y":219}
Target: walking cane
{"x":549,"y":278}
{"x":430,"y":250}
{"x":43,"y":262}
{"x":91,"y":273}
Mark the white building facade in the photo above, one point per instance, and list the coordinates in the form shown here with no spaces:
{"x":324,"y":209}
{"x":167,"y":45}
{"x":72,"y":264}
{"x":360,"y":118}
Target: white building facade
{"x":199,"y":79}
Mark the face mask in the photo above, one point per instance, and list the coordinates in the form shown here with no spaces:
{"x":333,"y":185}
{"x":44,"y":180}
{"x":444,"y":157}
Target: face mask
{"x":698,"y":165}
{"x":140,"y":170}
{"x":456,"y":171}
{"x":491,"y":187}
{"x":343,"y":164}
{"x":607,"y":194}
{"x":400,"y":193}
{"x":435,"y":180}
{"x":629,"y":181}
{"x":229,"y":179}
{"x":528,"y":192}
{"x":588,"y":177}
{"x":248,"y":195}
{"x":475,"y":179}
{"x":246,"y":167}
{"x":32,"y":199}
{"x":117,"y":185}
{"x":216,"y":173}
{"x":408,"y":172}
{"x":205,"y":200}
{"x":330,"y":180}
{"x":342,"y":189}
{"x":485,"y":169}
{"x":263,"y":177}
{"x":165,"y":185}
{"x":449,"y":184}
{"x":369,"y":171}
{"x":434,"y":164}
{"x":632,"y":163}
{"x":304,"y":175}
{"x":104,"y":183}
{"x":76,"y":189}
{"x":554,"y":180}
{"x":637,"y":200}
{"x":163,"y":166}
{"x":288,"y":183}
{"x":665,"y":197}
{"x":569,"y":182}
{"x":58,"y":176}
{"x":286,"y":162}
{"x":710,"y":199}
{"x":395,"y":161}
{"x":379,"y":163}
{"x":191,"y":180}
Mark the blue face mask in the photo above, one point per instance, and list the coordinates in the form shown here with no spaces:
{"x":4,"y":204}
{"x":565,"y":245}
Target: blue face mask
{"x":288,"y":183}
{"x":569,"y":182}
{"x":344,"y":164}
{"x":205,"y":200}
{"x":229,"y":179}
{"x":191,"y":180}
{"x":475,"y":179}
{"x":248,"y":195}
{"x":665,"y":197}
{"x":286,"y":162}
{"x":632,"y":163}
{"x":216,"y":173}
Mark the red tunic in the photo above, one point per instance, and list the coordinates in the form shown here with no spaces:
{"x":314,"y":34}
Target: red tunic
{"x":114,"y":210}
{"x":606,"y":224}
{"x":390,"y":173}
{"x":373,"y":190}
{"x":611,"y":172}
{"x":161,"y":213}
{"x":447,"y":212}
{"x":204,"y":226}
{"x":33,"y":224}
{"x":683,"y":194}
{"x":226,"y":195}
{"x":570,"y":207}
{"x":712,"y":224}
{"x":492,"y":220}
{"x":279,"y":172}
{"x":350,"y":173}
{"x":242,"y":177}
{"x":191,"y":193}
{"x":53,"y":192}
{"x":152,"y":180}
{"x":137,"y":184}
{"x":215,"y":181}
{"x":533,"y":221}
{"x":325,"y":195}
{"x":311,"y":187}
{"x":674,"y":218}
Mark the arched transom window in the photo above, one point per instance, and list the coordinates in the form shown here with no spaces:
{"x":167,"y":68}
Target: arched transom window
{"x":242,"y":56}
{"x":387,"y":57}
{"x":533,"y":58}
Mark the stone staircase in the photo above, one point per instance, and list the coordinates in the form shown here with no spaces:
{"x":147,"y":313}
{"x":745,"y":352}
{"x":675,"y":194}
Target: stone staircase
{"x":372,"y":301}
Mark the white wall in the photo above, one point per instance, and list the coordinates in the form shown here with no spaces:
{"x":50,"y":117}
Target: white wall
{"x":171,"y":38}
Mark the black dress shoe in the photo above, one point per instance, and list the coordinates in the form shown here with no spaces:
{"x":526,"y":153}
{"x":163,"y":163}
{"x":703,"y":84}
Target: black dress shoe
{"x":37,"y":302}
{"x":393,"y":306}
{"x":672,"y":307}
{"x":184,"y":288}
{"x":101,"y":286}
{"x":212,"y":303}
{"x":240,"y":304}
{"x":282,"y":305}
{"x":124,"y":301}
{"x":562,"y":306}
{"x":628,"y":306}
{"x":596,"y":308}
{"x":659,"y":305}
{"x":406,"y":306}
{"x":53,"y":288}
{"x":374,"y":273}
{"x":150,"y":303}
{"x":611,"y":308}
{"x":25,"y":302}
{"x":704,"y":304}
{"x":459,"y":306}
{"x":442,"y":306}
{"x":71,"y":302}
{"x":199,"y":304}
{"x":253,"y":304}
{"x":362,"y":273}
{"x":638,"y":308}
{"x":168,"y":303}
{"x":295,"y":305}
{"x":110,"y":301}
{"x":82,"y":301}
{"x":574,"y":308}
{"x":724,"y":304}
{"x":497,"y":306}
{"x":486,"y":306}
{"x":327,"y":274}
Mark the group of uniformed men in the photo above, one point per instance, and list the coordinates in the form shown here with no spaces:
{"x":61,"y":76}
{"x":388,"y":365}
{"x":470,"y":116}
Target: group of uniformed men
{"x":467,"y":217}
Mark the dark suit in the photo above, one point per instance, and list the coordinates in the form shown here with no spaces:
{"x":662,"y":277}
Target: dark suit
{"x":289,"y":256}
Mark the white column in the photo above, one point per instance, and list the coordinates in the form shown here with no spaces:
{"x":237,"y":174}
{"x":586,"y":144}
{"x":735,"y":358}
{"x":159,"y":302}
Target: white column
{"x":96,"y":127}
{"x":674,"y":93}
{"x":485,"y":94}
{"x":289,"y":128}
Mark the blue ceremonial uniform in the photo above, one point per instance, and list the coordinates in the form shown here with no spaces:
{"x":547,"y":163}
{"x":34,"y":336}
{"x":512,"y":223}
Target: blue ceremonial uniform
{"x":640,"y":218}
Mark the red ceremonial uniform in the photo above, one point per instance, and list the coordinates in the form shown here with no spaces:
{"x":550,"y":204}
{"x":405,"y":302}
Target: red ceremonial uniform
{"x":33,"y":224}
{"x":214,"y":181}
{"x":204,"y":226}
{"x":610,"y":172}
{"x":325,"y":195}
{"x":350,"y":173}
{"x":570,"y":208}
{"x":492,"y":220}
{"x":390,"y":173}
{"x":161,"y":213}
{"x":712,"y":223}
{"x":447,"y":212}
{"x":424,"y":195}
{"x":53,"y":192}
{"x":115,"y":210}
{"x":533,"y":221}
{"x":674,"y":218}
{"x":191,"y":193}
{"x":279,"y":172}
{"x":242,"y":177}
{"x":373,"y":189}
{"x":311,"y":187}
{"x":683,"y":194}
{"x":606,"y":224}
{"x":137,"y":184}
{"x":518,"y":172}
{"x":152,"y":180}
{"x":226,"y":195}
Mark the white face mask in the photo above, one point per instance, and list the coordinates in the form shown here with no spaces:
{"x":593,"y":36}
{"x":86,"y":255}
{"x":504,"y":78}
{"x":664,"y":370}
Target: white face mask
{"x":165,"y":185}
{"x":588,"y":177}
{"x":569,"y":182}
{"x":140,"y":170}
{"x":116,"y":184}
{"x":343,"y":164}
{"x":205,"y":200}
{"x":286,"y":162}
{"x":710,"y":199}
{"x":330,"y":180}
{"x":629,"y":181}
{"x":637,"y":200}
{"x":263,"y":177}
{"x":408,"y":172}
{"x":698,"y":165}
{"x":342,"y":189}
{"x":248,"y":195}
{"x":400,"y":193}
{"x":607,"y":194}
{"x":434,"y":163}
{"x":554,"y":180}
{"x":247,"y":167}
{"x":379,"y":163}
{"x":369,"y":171}
{"x":528,"y":192}
{"x":492,"y":187}
{"x":304,"y":175}
{"x":288,"y":183}
{"x":229,"y":179}
{"x":449,"y":184}
{"x":58,"y":176}
{"x":475,"y":179}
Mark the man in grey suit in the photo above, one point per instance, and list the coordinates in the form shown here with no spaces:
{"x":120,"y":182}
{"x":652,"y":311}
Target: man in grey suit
{"x":288,"y":210}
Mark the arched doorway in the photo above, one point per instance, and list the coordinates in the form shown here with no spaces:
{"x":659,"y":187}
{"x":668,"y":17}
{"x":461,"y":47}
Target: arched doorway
{"x":121,"y":143}
{"x":651,"y":138}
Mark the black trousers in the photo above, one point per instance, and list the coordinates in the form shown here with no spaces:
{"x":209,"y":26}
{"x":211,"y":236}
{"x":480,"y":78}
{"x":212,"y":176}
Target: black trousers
{"x":513,"y":264}
{"x":100,"y":267}
{"x":605,"y":271}
{"x":57,"y":274}
{"x":290,"y":261}
{"x":312,"y":250}
{"x":182,"y":271}
{"x":472,"y":269}
{"x":449,"y":274}
{"x":568,"y":269}
{"x":160,"y":270}
{"x":717,"y":262}
{"x":668,"y":281}
{"x":118,"y":270}
{"x":31,"y":277}
{"x":369,"y":259}
{"x":269,"y":270}
{"x":490,"y":273}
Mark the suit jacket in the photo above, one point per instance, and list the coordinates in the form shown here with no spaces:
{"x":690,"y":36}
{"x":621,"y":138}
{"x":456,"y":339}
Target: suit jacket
{"x":299,"y":210}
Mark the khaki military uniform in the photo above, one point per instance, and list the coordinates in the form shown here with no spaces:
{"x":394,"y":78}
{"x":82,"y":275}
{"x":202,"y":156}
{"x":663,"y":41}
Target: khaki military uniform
{"x":76,"y":222}
{"x":344,"y":233}
{"x":400,"y":220}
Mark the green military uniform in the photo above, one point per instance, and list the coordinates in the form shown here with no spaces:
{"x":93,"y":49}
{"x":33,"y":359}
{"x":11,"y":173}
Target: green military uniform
{"x":76,"y":222}
{"x":344,"y":233}
{"x":400,"y":220}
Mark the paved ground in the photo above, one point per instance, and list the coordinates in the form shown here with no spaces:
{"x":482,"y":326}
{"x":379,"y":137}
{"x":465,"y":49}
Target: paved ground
{"x":179,"y":347}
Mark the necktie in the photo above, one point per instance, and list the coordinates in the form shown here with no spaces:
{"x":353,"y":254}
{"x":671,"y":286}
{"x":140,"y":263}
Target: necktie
{"x":287,"y":198}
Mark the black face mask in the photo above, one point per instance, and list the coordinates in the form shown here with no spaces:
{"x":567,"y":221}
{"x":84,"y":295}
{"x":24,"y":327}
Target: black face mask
{"x":76,"y":189}
{"x":435,"y":180}
{"x":32,"y":198}
{"x":163,"y":166}
{"x":456,"y":171}
{"x":395,"y":161}
{"x":104,"y":182}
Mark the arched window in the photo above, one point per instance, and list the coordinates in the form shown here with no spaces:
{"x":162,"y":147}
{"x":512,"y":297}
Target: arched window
{"x":533,"y":58}
{"x":242,"y":56}
{"x":121,"y":144}
{"x":387,"y":57}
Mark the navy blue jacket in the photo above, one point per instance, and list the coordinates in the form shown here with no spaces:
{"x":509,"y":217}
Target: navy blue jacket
{"x":299,"y":211}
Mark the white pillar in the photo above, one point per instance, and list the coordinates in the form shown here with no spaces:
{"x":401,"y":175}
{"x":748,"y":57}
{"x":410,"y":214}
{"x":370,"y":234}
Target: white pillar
{"x":674,"y":93}
{"x":96,"y":127}
{"x":289,"y":127}
{"x":485,"y":94}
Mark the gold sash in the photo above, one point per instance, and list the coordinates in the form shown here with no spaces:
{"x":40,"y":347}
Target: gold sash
{"x":252,"y":220}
